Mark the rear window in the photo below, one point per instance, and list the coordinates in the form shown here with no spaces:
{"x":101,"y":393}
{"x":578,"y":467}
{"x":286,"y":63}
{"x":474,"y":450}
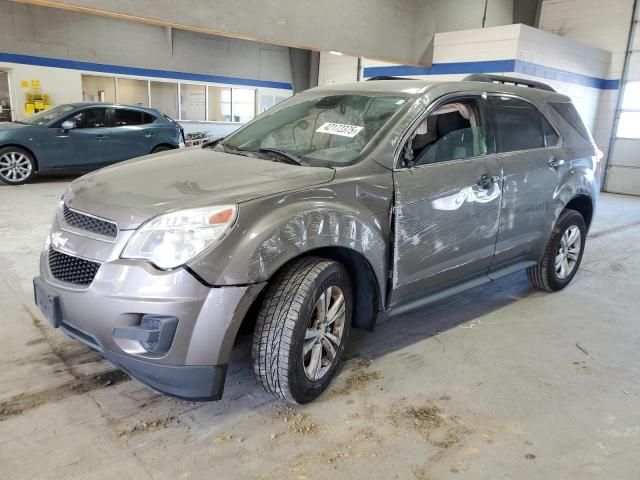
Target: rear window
{"x":125,"y":117}
{"x":521,"y":125}
{"x":572,"y":117}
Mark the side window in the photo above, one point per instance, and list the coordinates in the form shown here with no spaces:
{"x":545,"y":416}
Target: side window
{"x":124,"y":117}
{"x":90,"y":118}
{"x":521,"y":125}
{"x":454,"y":131}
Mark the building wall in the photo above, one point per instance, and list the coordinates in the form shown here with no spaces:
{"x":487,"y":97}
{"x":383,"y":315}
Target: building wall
{"x":602,"y":24}
{"x":398,"y":30}
{"x":76,"y":43}
{"x":570,"y":67}
{"x":337,"y":69}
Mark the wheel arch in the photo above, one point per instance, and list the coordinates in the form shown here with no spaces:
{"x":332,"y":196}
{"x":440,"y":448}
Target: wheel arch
{"x":164,"y":144}
{"x":27,"y":149}
{"x":365,"y":285}
{"x":583,"y":204}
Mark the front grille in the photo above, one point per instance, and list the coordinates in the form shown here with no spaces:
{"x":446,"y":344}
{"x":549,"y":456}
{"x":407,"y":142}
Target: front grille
{"x":70,"y":269}
{"x":89,"y":223}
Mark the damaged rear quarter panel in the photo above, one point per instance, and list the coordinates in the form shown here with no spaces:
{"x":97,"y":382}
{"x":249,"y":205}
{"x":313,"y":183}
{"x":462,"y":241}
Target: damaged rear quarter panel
{"x":352,"y":212}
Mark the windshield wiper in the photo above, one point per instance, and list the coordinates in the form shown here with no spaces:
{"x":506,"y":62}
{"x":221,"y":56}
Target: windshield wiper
{"x":288,"y":157}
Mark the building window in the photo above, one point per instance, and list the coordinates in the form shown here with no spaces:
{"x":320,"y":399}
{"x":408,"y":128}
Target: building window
{"x":164,"y":98}
{"x":629,"y":122}
{"x":98,"y":89}
{"x":243,"y":106}
{"x":219,"y":104}
{"x":192,"y":102}
{"x":268,"y":101}
{"x":133,"y":92}
{"x":629,"y":125}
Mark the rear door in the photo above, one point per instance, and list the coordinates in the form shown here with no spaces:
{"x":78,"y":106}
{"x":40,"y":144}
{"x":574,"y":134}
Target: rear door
{"x":133,"y":133}
{"x":533,"y":167}
{"x":448,"y":203}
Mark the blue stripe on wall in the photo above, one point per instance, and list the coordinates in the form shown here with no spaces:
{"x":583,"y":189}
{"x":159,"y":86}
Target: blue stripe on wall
{"x":495,"y":66}
{"x":442,"y":68}
{"x":143,"y":72}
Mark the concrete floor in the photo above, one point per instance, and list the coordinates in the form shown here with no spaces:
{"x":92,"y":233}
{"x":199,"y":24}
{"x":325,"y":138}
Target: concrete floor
{"x":499,"y":382}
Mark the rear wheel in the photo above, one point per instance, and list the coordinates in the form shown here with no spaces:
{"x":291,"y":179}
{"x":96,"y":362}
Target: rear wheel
{"x":17,"y":166}
{"x":563,"y":254}
{"x":302,"y":329}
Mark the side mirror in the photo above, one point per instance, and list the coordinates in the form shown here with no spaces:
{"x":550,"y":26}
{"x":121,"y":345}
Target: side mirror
{"x":68,"y":125}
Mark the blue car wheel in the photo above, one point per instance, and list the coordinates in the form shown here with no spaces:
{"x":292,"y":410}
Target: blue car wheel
{"x":17,"y":166}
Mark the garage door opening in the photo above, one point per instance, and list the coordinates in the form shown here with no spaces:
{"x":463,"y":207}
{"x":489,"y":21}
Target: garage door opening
{"x":5,"y":97}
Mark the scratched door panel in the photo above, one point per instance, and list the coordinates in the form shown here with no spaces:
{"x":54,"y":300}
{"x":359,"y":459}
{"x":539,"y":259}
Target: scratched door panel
{"x":445,"y":224}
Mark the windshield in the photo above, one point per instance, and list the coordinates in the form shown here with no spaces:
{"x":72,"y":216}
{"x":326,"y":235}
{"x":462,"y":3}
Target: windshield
{"x":48,"y":115}
{"x":317,"y":128}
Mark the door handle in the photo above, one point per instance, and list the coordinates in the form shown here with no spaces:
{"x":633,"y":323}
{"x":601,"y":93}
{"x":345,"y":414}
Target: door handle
{"x":101,"y":137}
{"x":555,"y":162}
{"x":486,"y":181}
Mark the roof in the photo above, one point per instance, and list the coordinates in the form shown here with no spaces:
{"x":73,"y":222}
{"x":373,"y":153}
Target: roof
{"x":110,"y":104}
{"x":419,"y":86}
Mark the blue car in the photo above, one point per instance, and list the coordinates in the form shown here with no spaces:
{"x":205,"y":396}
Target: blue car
{"x":82,"y":137}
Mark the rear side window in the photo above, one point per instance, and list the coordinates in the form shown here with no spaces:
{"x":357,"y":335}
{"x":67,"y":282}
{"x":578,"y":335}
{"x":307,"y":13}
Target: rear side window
{"x":572,"y":117}
{"x":521,"y":125}
{"x":124,"y":117}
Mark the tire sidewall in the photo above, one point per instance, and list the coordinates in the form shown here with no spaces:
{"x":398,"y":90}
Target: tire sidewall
{"x":301,"y":388}
{"x":29,"y":157}
{"x":574,"y":218}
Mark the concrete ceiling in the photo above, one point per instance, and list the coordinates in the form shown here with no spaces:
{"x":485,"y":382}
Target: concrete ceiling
{"x":399,"y":31}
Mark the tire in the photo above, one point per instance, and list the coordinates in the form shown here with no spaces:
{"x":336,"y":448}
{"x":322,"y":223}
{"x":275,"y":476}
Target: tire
{"x":160,"y":148}
{"x":288,"y":314}
{"x":17,"y":166}
{"x":547,"y":275}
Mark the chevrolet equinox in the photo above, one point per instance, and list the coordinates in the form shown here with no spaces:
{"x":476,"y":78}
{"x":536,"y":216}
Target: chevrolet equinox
{"x":337,"y":208}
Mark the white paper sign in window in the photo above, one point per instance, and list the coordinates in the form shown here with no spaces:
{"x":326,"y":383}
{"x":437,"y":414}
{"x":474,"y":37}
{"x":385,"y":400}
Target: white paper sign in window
{"x":339,"y":129}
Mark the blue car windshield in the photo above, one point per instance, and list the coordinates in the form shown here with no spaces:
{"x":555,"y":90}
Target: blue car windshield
{"x":317,"y":128}
{"x":47,"y":115}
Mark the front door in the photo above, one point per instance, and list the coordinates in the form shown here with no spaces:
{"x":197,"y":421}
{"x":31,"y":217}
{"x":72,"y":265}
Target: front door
{"x":88,"y":144}
{"x":447,"y":201}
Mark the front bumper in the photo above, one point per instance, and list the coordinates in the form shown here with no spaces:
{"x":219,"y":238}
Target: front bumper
{"x":123,"y":291}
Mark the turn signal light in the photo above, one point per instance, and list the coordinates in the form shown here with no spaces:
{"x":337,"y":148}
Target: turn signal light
{"x":221,"y":217}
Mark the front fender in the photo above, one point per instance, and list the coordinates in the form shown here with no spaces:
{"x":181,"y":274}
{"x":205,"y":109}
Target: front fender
{"x":272,"y":232}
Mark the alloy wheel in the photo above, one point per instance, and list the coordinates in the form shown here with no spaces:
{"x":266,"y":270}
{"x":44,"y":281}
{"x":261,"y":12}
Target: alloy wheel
{"x":15,"y":167}
{"x":568,"y":252}
{"x":324,"y":334}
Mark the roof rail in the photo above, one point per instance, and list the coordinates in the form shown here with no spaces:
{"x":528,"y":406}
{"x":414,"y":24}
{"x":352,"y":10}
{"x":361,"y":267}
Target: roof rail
{"x":388,"y":77}
{"x":483,"y":77}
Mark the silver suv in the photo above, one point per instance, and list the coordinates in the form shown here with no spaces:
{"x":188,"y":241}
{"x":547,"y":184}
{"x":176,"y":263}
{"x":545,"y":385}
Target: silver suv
{"x":338,"y":207}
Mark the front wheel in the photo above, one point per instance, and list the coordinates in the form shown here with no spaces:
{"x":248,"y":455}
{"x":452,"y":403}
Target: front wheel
{"x":563,"y":254}
{"x":17,"y":166}
{"x":302,"y":329}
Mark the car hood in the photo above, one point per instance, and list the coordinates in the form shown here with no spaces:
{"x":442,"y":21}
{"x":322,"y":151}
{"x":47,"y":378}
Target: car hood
{"x":134,"y":191}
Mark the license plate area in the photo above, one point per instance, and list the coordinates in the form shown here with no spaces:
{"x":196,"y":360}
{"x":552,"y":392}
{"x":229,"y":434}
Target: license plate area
{"x":48,"y":303}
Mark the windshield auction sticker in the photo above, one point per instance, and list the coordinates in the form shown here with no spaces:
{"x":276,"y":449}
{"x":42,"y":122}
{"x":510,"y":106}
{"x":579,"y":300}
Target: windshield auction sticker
{"x":340,"y":129}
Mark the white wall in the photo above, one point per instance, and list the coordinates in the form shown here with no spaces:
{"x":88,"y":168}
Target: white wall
{"x":337,"y":69}
{"x":533,"y":46}
{"x":604,"y":24}
{"x":64,"y":86}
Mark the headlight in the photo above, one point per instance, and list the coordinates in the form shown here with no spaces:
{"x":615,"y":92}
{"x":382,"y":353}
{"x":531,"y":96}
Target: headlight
{"x":172,"y":239}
